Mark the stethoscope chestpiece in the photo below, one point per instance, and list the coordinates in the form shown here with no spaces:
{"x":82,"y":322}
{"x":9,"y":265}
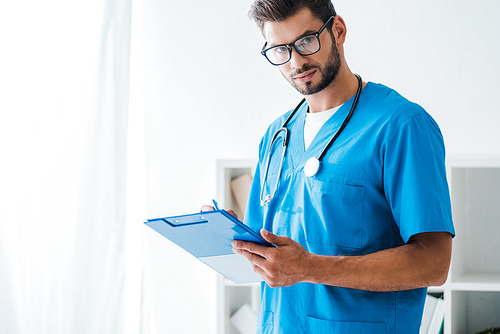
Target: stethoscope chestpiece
{"x":311,"y":167}
{"x":266,"y":200}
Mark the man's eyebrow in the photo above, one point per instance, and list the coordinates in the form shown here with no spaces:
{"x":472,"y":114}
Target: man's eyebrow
{"x":308,"y":32}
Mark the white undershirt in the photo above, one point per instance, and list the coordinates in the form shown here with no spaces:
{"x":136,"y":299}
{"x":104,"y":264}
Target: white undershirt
{"x":314,"y":122}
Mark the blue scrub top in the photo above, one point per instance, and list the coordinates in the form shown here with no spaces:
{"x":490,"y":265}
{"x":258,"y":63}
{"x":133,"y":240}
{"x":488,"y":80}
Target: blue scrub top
{"x":382,"y":181}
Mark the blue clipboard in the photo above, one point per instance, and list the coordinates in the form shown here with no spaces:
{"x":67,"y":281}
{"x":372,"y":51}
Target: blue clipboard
{"x":208,"y":235}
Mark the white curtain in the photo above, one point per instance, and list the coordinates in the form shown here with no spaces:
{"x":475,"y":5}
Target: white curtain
{"x":64,"y":81}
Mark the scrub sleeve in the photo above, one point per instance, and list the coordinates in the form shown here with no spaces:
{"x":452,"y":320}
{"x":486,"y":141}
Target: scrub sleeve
{"x":414,"y":177}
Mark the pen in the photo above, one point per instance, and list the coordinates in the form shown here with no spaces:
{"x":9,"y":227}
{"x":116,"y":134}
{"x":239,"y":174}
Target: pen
{"x":216,"y":206}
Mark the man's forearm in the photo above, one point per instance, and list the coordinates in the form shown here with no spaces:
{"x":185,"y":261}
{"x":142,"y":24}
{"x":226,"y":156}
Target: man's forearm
{"x":423,"y":262}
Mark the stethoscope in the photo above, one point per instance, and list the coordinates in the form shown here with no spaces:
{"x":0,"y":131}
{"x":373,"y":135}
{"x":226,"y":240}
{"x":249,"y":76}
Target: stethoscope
{"x":312,"y":165}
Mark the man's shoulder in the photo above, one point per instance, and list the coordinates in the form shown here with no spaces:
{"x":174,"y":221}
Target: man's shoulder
{"x":390,"y":113}
{"x":388,"y":104}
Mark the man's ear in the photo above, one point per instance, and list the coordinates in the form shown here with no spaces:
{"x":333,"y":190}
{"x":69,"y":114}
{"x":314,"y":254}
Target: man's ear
{"x":339,"y":29}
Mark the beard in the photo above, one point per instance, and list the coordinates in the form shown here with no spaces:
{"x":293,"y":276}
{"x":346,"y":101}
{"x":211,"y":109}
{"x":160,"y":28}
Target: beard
{"x":328,"y":73}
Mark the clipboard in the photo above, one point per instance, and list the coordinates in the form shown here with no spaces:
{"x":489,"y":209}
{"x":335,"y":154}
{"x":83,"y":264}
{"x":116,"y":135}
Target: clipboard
{"x":208,"y":235}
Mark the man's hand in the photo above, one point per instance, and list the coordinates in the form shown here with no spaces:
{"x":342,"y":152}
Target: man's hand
{"x":279,"y":266}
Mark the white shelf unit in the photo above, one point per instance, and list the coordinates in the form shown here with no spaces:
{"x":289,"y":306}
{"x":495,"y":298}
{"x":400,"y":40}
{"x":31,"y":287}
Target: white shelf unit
{"x":472,"y":292}
{"x":231,"y":297}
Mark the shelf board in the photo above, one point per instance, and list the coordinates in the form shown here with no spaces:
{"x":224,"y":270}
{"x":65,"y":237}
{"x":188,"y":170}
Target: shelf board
{"x":473,"y":162}
{"x":436,"y":289}
{"x":477,"y":282}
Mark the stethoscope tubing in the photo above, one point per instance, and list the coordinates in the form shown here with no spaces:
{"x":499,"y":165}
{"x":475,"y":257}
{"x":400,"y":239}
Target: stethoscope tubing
{"x":346,"y":120}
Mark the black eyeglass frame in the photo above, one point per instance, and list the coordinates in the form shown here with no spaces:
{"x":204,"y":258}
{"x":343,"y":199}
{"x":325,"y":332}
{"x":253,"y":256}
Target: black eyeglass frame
{"x":289,"y":46}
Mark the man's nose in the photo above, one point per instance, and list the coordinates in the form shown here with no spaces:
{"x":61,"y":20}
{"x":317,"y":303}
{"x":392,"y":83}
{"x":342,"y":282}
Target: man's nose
{"x":296,"y":59}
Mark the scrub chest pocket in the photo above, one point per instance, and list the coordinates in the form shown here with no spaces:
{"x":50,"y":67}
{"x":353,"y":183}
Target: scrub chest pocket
{"x":336,"y":217}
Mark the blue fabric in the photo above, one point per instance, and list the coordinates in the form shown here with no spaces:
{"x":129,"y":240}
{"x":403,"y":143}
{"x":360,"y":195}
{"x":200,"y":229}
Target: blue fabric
{"x":381,"y":182}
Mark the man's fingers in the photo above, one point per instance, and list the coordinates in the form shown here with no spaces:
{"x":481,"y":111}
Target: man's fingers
{"x":211,"y":208}
{"x":232,"y":213}
{"x":250,"y":247}
{"x":274,"y":239}
{"x":207,"y":208}
{"x":257,"y":261}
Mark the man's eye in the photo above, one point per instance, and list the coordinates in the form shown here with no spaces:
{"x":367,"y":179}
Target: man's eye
{"x":280,"y":49}
{"x":306,"y":40}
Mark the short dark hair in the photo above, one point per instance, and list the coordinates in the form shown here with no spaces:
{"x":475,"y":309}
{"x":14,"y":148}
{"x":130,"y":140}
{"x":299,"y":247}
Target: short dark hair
{"x":263,"y":11}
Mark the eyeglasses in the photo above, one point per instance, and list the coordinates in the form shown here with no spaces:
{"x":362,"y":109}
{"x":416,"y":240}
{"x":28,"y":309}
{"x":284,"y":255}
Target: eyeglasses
{"x":305,"y":46}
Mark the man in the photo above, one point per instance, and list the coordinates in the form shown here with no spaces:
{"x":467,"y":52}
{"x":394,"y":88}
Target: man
{"x":361,"y":237}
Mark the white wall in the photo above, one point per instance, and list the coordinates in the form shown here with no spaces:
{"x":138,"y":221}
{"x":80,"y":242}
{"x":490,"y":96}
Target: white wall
{"x":442,"y":54}
{"x":209,"y":94}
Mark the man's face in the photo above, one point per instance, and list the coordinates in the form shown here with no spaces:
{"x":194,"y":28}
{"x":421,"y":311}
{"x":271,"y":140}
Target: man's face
{"x":308,"y":74}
